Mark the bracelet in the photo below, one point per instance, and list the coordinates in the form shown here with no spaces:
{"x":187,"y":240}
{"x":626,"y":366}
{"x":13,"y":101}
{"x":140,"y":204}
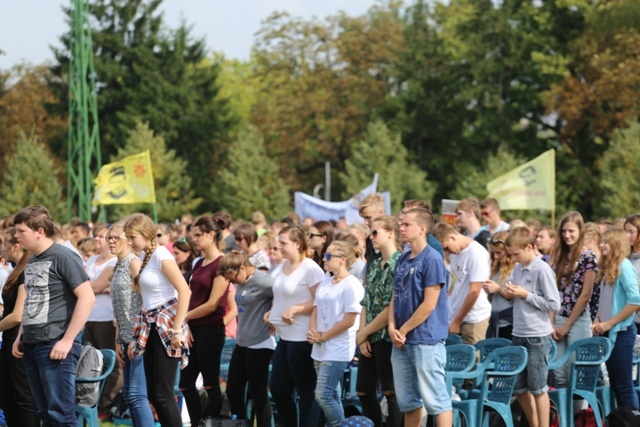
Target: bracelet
{"x":175,"y":331}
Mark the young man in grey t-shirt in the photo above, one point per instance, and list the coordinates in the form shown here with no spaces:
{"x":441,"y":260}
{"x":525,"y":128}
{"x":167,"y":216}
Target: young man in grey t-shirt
{"x":59,"y":300}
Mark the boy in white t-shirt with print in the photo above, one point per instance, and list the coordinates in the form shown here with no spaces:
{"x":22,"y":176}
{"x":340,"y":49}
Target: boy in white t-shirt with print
{"x":469,"y":268}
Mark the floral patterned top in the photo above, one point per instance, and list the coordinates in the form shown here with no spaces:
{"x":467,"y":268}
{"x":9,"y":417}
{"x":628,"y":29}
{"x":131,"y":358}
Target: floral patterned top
{"x":586,"y":262}
{"x":378,"y":291}
{"x":127,"y":303}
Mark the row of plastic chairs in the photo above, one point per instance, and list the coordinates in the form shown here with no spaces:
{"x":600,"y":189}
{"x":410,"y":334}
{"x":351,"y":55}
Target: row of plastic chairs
{"x":494,"y":378}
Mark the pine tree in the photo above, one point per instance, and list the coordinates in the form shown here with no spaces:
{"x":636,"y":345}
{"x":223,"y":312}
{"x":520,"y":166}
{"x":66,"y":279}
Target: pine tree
{"x":250,"y":182}
{"x":31,"y":178}
{"x":174,"y":194}
{"x":381,"y":151}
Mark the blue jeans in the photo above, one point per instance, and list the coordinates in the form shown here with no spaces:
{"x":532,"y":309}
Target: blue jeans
{"x":53,"y":383}
{"x":419,"y":378}
{"x":328,"y":390}
{"x":292,"y":369}
{"x":134,"y":391}
{"x":619,"y":367}
{"x":580,"y":329}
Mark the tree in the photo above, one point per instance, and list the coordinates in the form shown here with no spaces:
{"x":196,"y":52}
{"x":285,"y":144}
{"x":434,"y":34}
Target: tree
{"x":619,"y":171}
{"x":250,"y":182}
{"x":22,"y":108}
{"x":322,"y":82}
{"x":381,"y":151}
{"x":31,"y":177}
{"x":174,"y":193}
{"x":472,"y":76}
{"x":148,"y":73}
{"x":473,"y":182}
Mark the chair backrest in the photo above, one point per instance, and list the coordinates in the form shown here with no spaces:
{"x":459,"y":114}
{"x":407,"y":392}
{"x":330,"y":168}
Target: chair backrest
{"x":486,"y":347}
{"x":504,"y":366}
{"x":109,"y":362}
{"x":590,"y":353}
{"x":460,"y":358}
{"x":453,"y":339}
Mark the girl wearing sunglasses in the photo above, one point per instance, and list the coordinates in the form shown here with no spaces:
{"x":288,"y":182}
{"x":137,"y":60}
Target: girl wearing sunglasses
{"x":373,"y":338}
{"x":333,"y":326}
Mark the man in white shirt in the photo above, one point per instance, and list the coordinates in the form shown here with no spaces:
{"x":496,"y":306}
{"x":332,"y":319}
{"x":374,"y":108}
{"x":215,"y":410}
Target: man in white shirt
{"x":469,"y":307}
{"x":490,"y":211}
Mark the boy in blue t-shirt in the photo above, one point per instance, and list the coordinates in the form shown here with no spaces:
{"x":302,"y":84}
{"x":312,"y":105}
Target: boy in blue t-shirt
{"x":534,"y":293}
{"x":418,"y":325}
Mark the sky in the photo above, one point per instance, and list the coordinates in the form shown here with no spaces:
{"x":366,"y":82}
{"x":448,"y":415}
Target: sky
{"x":29,"y":27}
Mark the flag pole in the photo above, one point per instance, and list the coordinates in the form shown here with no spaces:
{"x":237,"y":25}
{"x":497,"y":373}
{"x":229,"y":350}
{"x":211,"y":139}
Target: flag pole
{"x":553,"y":218}
{"x":155,"y":212}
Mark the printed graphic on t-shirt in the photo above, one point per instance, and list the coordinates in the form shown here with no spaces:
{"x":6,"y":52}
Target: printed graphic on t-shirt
{"x":403,"y":270}
{"x":36,"y":305}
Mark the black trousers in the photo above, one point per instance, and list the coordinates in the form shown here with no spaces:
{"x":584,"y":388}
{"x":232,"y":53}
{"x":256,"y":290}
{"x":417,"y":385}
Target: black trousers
{"x":16,"y":399}
{"x":204,"y":359}
{"x":250,"y":366}
{"x":161,"y":370}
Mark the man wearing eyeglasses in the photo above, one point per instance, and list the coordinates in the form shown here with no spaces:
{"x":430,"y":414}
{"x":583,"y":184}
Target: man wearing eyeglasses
{"x":468,"y":220}
{"x":490,"y":211}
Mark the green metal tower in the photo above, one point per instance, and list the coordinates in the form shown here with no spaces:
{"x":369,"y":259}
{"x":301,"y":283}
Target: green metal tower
{"x":84,"y":158}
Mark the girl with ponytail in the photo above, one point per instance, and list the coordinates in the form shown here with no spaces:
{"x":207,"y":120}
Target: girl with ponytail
{"x":207,"y":308}
{"x":160,"y":330}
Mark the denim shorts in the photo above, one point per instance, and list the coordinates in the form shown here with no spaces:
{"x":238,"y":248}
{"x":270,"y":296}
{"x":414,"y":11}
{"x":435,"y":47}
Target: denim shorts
{"x":419,"y":378}
{"x":534,"y":376}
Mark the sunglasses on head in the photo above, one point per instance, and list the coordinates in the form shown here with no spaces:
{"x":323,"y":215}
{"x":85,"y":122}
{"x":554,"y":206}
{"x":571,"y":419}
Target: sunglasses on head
{"x":496,"y":242}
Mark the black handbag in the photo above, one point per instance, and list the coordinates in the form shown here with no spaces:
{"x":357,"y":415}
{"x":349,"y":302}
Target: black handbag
{"x":224,"y":422}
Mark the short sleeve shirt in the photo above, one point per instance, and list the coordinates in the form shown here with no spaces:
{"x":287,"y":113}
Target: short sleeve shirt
{"x":292,"y":289}
{"x":411,"y":278}
{"x":378,"y":292}
{"x":572,"y":290}
{"x":50,"y":279}
{"x":156,"y":289}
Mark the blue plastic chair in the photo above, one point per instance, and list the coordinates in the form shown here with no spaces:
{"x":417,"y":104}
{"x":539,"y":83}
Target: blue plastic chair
{"x":590,"y":353}
{"x":498,"y":374}
{"x":460,"y":358}
{"x":225,"y":358}
{"x":453,"y":339}
{"x":88,"y":415}
{"x":484,"y":348}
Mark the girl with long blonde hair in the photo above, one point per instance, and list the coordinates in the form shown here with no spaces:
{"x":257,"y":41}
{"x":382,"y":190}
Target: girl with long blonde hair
{"x":501,"y":321}
{"x":575,"y":267}
{"x":619,"y":300}
{"x":160,"y":330}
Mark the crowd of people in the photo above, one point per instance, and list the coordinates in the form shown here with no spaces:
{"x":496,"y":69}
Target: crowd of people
{"x":302,"y":298}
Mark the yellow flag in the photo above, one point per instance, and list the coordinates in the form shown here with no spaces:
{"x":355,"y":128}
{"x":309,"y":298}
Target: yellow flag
{"x":129,"y":180}
{"x":530,"y":186}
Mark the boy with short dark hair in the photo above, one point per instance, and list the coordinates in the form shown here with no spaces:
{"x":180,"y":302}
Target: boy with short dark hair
{"x":534,"y":292}
{"x":59,"y":300}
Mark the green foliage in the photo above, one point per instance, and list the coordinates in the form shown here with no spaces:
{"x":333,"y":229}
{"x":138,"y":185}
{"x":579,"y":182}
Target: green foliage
{"x":619,"y":174}
{"x":148,"y":73}
{"x":238,"y":85}
{"x":381,"y":151}
{"x":174,"y":192}
{"x":31,"y":177}
{"x":322,"y":82}
{"x":250,"y":182}
{"x":472,"y":182}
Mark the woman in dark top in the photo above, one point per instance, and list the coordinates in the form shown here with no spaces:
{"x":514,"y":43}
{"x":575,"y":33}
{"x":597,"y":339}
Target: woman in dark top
{"x":254,"y":344}
{"x":16,"y":399}
{"x":207,"y":308}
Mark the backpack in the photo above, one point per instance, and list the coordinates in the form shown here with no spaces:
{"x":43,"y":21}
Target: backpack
{"x":586,"y":418}
{"x":89,"y":366}
{"x":624,"y":416}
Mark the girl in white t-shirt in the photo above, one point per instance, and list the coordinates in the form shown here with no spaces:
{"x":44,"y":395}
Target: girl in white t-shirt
{"x":333,"y":326}
{"x":294,"y":288}
{"x":160,"y":329}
